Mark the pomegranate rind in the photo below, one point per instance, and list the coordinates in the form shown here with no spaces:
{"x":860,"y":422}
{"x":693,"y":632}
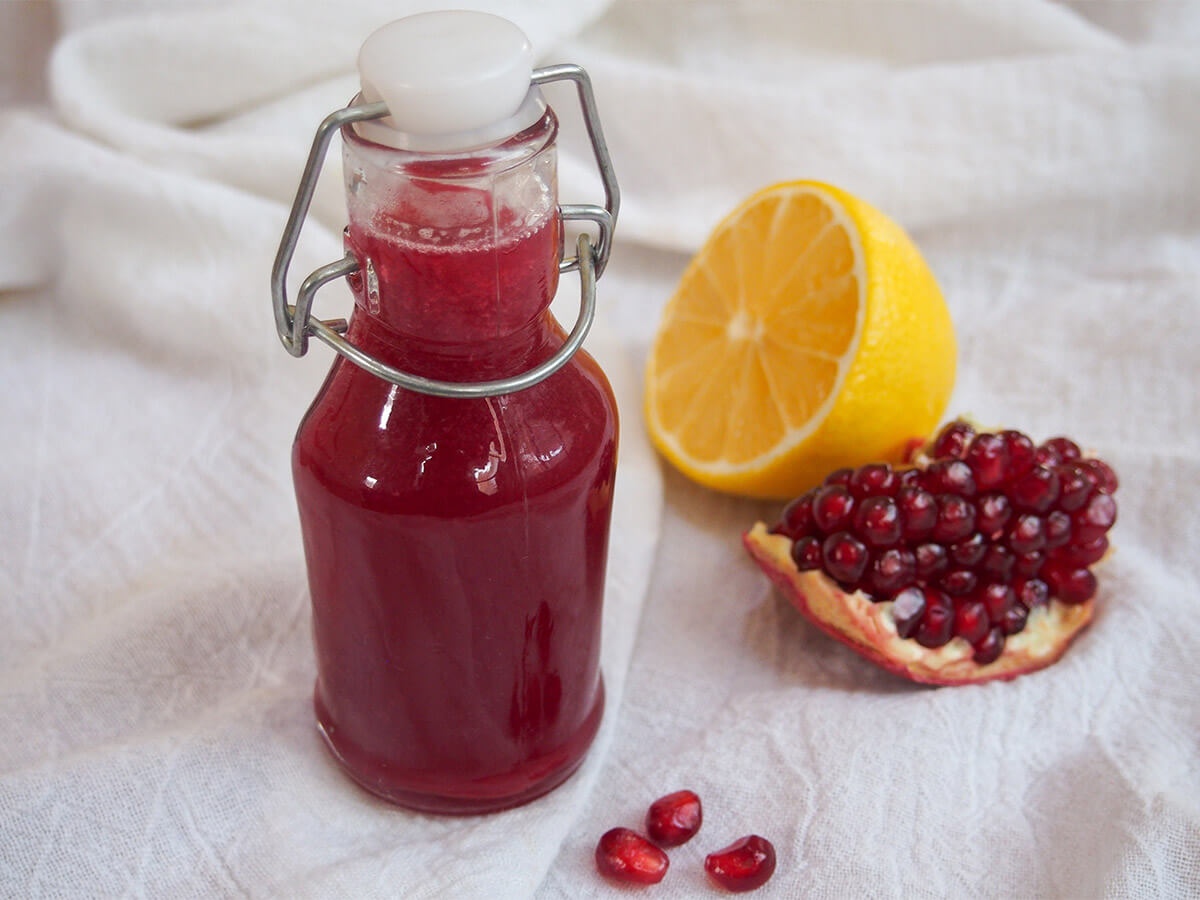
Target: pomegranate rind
{"x":869,"y":629}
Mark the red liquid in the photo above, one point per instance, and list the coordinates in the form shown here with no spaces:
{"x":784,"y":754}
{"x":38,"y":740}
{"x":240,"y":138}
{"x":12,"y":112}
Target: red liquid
{"x":456,"y":548}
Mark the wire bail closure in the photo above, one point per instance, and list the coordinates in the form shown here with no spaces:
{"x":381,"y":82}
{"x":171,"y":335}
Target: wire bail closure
{"x":296,"y":324}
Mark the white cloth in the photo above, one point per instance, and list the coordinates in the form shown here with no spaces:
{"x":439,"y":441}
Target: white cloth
{"x":155,"y":666}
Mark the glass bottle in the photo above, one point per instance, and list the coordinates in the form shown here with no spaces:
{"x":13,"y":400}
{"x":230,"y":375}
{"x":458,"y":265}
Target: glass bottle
{"x":456,"y":546}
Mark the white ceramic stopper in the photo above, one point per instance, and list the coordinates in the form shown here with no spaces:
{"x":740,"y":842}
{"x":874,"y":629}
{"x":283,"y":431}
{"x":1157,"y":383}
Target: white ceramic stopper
{"x":451,"y":80}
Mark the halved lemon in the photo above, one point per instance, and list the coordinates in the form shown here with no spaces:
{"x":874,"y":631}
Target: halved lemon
{"x":807,"y":334}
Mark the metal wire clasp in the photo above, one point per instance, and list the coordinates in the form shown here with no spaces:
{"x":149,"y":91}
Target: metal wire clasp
{"x":296,"y":324}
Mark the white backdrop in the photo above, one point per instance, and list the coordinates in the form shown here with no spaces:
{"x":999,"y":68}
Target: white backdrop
{"x":155,"y":666}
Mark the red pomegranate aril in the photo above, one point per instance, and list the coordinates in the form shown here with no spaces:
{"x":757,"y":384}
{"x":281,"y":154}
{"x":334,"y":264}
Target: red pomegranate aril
{"x":971,"y":621}
{"x":1066,"y":449}
{"x":1046,"y":456}
{"x":1014,"y":619}
{"x":1094,"y":518}
{"x":969,"y":551}
{"x":959,"y":582}
{"x":797,"y":519}
{"x":840,"y":476}
{"x":873,"y":480}
{"x":1075,"y":484}
{"x":891,"y":570}
{"x":932,"y":560}
{"x":989,"y":649}
{"x":845,"y":557}
{"x":877,"y":521}
{"x":833,"y":508}
{"x":906,"y":478}
{"x":997,"y":563}
{"x":1029,"y":564}
{"x":744,"y":865}
{"x":625,"y":855}
{"x":951,"y":442}
{"x":1058,"y":529}
{"x":1106,"y":477}
{"x":998,"y":599}
{"x":992,"y":512}
{"x":1083,"y":554}
{"x":987,"y":455}
{"x":1028,"y":533}
{"x":955,"y":519}
{"x":949,"y":476}
{"x":1020,"y":452}
{"x":806,"y":554}
{"x":1069,"y":584}
{"x":1031,"y":592}
{"x":1036,"y":490}
{"x":918,"y":512}
{"x":908,"y":606}
{"x":674,"y":819}
{"x":937,"y":623}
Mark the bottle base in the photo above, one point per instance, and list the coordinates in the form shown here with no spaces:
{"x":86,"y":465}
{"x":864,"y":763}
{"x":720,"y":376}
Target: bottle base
{"x":535,"y":779}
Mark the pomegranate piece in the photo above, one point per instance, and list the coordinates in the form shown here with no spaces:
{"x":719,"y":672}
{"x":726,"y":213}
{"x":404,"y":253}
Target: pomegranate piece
{"x":986,"y":538}
{"x":624,"y":855}
{"x":674,"y":819}
{"x":744,"y":865}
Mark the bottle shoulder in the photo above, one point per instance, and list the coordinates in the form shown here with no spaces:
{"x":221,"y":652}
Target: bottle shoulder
{"x":381,"y":446}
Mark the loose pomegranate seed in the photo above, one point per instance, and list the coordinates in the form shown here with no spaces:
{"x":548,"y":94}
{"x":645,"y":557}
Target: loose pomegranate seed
{"x":918,"y":512}
{"x":1036,"y":490}
{"x":1029,"y":564}
{"x":908,"y":478}
{"x":997,"y":563}
{"x":833,"y":508}
{"x":845,"y":557}
{"x":744,"y":865}
{"x":937,"y":623}
{"x":949,"y":476}
{"x":797,"y":519}
{"x":1095,"y":518}
{"x":1058,"y":529}
{"x":1083,"y":554}
{"x":987,"y":456}
{"x":1070,"y":585}
{"x":806,"y":554}
{"x":627,"y":856}
{"x":952,"y":440}
{"x":892,"y":570}
{"x":1015,"y":619}
{"x":1065,"y":448}
{"x":969,"y":551}
{"x":998,"y":599}
{"x":1106,"y":477}
{"x":932,"y":560}
{"x":1020,"y":452}
{"x":1046,"y":456}
{"x":959,"y":582}
{"x":970,"y":621}
{"x":878,"y":521}
{"x":674,"y":819}
{"x":1032,"y":592}
{"x":1028,"y":533}
{"x":907,"y":608}
{"x":840,"y":476}
{"x":872,"y":480}
{"x":992,"y":512}
{"x":955,"y":519}
{"x":1076,"y":483}
{"x":989,"y":649}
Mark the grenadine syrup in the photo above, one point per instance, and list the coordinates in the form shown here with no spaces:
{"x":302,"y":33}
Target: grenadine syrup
{"x":456,"y":547}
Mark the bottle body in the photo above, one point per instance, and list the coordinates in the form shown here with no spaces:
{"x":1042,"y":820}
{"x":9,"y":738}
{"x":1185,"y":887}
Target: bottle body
{"x":456,"y":548}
